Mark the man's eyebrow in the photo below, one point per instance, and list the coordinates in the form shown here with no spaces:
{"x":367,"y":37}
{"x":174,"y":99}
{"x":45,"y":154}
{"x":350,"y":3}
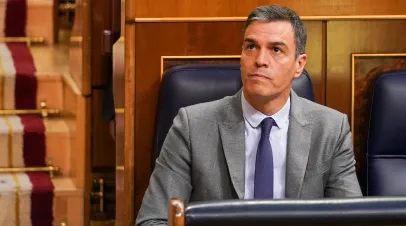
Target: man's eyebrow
{"x":277,"y":44}
{"x":249,"y":40}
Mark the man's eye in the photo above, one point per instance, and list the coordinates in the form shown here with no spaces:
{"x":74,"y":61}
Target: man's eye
{"x":276,"y":50}
{"x":251,"y":46}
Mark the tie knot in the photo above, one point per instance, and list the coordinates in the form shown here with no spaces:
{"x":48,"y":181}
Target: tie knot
{"x":266,"y":126}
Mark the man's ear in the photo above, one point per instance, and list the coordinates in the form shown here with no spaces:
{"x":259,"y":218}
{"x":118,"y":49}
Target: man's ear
{"x":300,"y":64}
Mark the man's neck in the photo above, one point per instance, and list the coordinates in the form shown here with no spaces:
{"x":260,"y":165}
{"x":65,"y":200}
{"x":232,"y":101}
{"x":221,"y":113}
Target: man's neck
{"x":268,"y":106}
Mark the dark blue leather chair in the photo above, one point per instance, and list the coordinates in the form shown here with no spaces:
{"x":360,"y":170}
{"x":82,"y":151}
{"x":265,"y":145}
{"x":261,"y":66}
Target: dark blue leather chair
{"x":355,"y":211}
{"x":192,"y":84}
{"x":386,"y":136}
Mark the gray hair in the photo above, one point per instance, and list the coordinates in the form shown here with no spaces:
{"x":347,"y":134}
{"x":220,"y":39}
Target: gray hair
{"x":279,"y":13}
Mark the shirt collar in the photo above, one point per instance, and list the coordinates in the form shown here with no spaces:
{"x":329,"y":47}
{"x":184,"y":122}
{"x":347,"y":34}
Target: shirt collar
{"x":255,"y":117}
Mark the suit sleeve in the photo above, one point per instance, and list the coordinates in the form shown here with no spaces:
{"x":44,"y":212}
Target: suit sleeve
{"x":171,"y":176}
{"x":343,"y":181}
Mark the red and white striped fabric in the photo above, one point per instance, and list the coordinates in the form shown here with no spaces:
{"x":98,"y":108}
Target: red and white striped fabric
{"x":13,"y":18}
{"x":18,"y":82}
{"x":25,"y":198}
{"x":22,"y":141}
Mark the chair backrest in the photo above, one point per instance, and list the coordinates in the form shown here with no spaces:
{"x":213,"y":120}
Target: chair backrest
{"x":317,"y":212}
{"x":186,"y":85}
{"x":386,"y":135}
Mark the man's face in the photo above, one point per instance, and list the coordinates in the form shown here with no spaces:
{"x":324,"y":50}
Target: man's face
{"x":268,"y":62}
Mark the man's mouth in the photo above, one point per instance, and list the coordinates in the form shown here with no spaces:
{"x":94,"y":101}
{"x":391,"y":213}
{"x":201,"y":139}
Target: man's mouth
{"x":258,"y":75}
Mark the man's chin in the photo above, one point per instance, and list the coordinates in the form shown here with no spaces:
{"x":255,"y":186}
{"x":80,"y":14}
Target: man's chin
{"x":257,"y":90}
{"x":259,"y":93}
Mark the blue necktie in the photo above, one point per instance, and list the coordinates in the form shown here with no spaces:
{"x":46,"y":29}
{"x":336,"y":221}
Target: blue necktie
{"x":263,"y":182}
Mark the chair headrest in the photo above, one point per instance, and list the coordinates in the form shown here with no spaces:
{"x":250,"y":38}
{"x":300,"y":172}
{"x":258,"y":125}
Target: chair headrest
{"x":303,"y":87}
{"x":386,"y":133}
{"x":354,"y":211}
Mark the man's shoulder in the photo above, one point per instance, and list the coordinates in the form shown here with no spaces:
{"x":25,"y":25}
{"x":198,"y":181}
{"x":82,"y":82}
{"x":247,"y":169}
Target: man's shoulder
{"x":209,"y":111}
{"x":316,"y":112}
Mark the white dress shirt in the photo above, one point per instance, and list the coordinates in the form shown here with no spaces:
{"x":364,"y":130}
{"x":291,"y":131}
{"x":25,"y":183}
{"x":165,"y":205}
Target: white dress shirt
{"x":278,"y":139}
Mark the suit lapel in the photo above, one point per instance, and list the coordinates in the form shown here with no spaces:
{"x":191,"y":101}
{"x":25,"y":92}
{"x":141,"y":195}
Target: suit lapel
{"x":233,"y":141}
{"x":298,"y":148}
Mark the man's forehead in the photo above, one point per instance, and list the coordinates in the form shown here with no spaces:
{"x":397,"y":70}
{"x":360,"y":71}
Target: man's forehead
{"x":274,"y":28}
{"x":270,"y":33}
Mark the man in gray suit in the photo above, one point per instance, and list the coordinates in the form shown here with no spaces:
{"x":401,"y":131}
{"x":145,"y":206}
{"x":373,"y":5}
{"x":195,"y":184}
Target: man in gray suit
{"x":264,"y":142}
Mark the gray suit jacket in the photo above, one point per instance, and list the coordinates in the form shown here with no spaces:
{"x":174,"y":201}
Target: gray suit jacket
{"x":203,"y":156}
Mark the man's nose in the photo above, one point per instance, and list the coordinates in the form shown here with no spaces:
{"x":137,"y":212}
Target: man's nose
{"x":262,"y":59}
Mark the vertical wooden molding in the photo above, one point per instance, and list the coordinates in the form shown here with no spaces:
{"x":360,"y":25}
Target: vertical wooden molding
{"x":352,"y":95}
{"x":84,"y":141}
{"x":85,"y":105}
{"x":324,"y":62}
{"x":129,"y":114}
{"x":86,"y":47}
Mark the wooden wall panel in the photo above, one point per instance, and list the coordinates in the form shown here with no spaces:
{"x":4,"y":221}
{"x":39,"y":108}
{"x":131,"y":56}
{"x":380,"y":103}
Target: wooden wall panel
{"x":345,"y":38}
{"x":40,"y":21}
{"x":314,"y":65}
{"x":70,"y":111}
{"x":81,"y":155}
{"x":122,"y":17}
{"x":229,"y":8}
{"x":79,"y":108}
{"x":118,"y":91}
{"x":118,"y":74}
{"x":154,"y":40}
{"x":76,"y":48}
{"x":80,"y":50}
{"x":120,"y":195}
{"x":129,"y":115}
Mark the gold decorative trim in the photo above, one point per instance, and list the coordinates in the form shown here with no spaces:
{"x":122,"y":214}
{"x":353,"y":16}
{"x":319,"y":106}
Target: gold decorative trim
{"x":100,"y":194}
{"x":28,"y":40}
{"x":51,"y":169}
{"x":185,"y":19}
{"x":377,"y":54}
{"x":2,"y":82}
{"x":17,"y":200}
{"x":119,"y":168}
{"x":67,"y":6}
{"x":237,"y":19}
{"x":196,"y":57}
{"x":76,"y":39}
{"x":119,"y":110}
{"x":43,"y":111}
{"x":353,"y":56}
{"x":10,"y":142}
